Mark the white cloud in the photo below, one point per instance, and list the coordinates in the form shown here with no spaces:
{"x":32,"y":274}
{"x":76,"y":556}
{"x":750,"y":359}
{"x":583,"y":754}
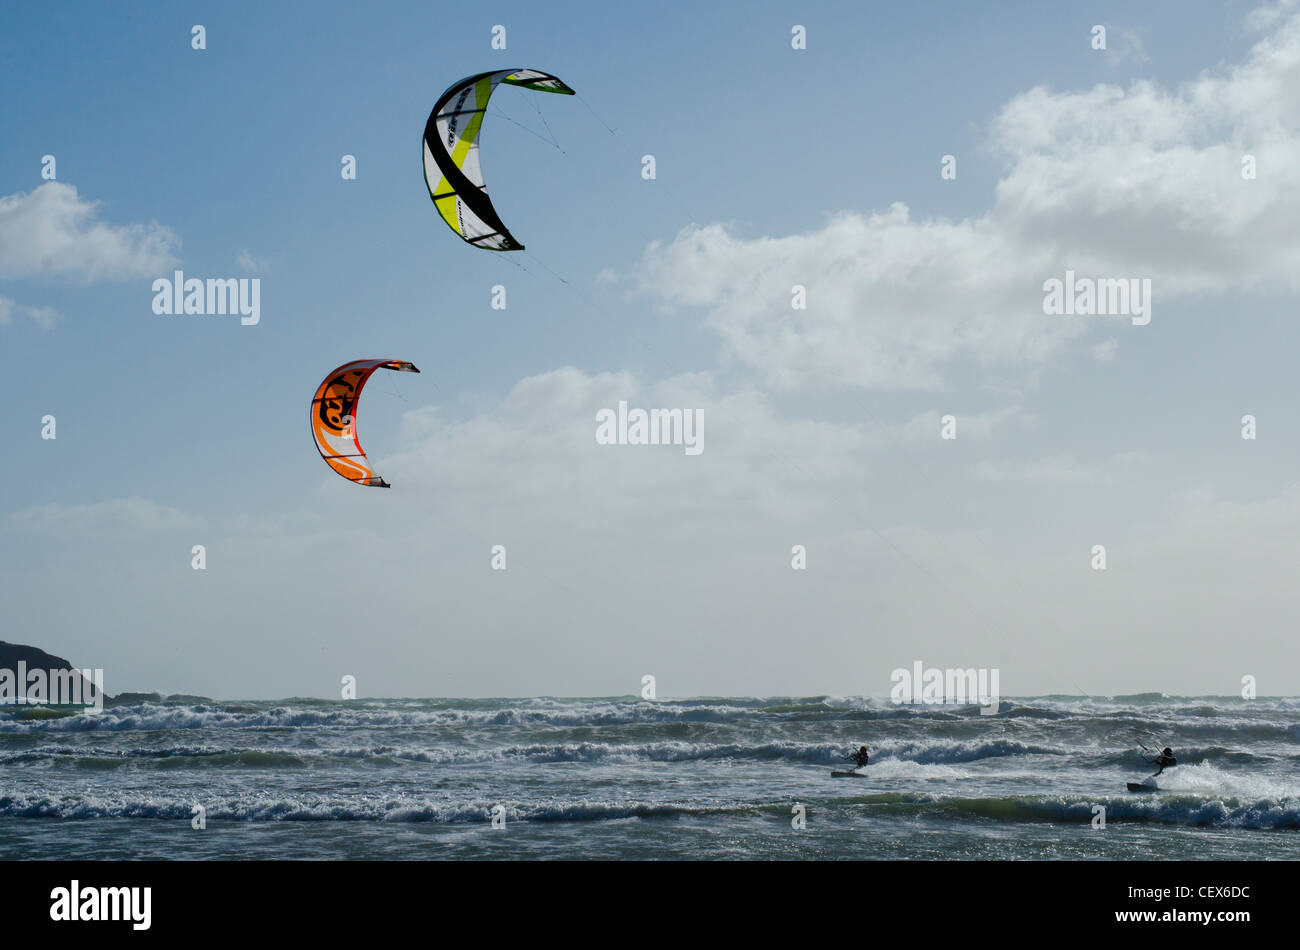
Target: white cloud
{"x":1143,"y":182}
{"x":628,"y":558}
{"x":889,"y":300}
{"x":250,"y":264}
{"x":1126,"y":44}
{"x":1269,"y":15}
{"x":624,"y":559}
{"x":52,"y":232}
{"x":43,"y":317}
{"x":1063,"y":468}
{"x":924,"y":428}
{"x":121,"y":519}
{"x":1104,"y":352}
{"x":539,"y":446}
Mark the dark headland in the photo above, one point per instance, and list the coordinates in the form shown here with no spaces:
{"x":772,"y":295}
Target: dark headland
{"x":11,"y":654}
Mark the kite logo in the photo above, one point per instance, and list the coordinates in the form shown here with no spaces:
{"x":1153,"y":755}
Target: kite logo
{"x":214,"y":296}
{"x":452,"y":171}
{"x":451,"y":126}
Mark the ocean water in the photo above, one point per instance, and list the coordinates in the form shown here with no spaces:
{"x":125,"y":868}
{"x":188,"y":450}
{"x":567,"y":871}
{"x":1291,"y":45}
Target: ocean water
{"x":622,"y":778}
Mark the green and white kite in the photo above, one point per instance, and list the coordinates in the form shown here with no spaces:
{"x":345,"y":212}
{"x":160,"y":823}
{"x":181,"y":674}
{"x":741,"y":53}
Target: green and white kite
{"x":452,"y":170}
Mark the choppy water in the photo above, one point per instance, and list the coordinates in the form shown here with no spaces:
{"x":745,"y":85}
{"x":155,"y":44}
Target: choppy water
{"x":624,"y":778}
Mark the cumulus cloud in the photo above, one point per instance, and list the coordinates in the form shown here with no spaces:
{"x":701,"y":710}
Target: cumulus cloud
{"x":924,"y":428}
{"x":43,"y":317}
{"x":121,"y":519}
{"x":53,"y":232}
{"x":535,"y":454}
{"x":627,"y":558}
{"x":1126,"y":44}
{"x":1104,"y":352}
{"x":1116,"y":468}
{"x":890,"y":300}
{"x":250,"y":264}
{"x":1111,"y":182}
{"x":1064,"y":468}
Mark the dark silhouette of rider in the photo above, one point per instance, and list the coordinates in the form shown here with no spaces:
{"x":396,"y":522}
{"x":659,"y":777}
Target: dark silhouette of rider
{"x":860,"y":758}
{"x":1165,"y":759}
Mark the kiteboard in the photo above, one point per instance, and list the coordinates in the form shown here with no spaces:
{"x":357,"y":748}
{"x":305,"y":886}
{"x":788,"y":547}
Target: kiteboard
{"x":847,"y":775}
{"x":1143,"y":787}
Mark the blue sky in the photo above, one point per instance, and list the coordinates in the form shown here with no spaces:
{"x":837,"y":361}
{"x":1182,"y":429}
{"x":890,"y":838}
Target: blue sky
{"x":176,"y":430}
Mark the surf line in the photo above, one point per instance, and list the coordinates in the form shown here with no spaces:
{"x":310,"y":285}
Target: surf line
{"x":56,"y":687}
{"x":936,"y":687}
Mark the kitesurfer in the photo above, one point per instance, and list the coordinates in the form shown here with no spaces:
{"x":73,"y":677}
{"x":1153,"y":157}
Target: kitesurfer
{"x":860,"y":758}
{"x":1165,"y":759}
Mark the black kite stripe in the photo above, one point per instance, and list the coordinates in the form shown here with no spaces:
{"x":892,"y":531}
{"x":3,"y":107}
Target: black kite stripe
{"x":468,"y":192}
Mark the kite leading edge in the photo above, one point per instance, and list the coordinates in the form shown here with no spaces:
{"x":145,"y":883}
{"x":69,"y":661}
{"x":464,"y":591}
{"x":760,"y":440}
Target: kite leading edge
{"x":334,"y":418}
{"x":452,"y":170}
